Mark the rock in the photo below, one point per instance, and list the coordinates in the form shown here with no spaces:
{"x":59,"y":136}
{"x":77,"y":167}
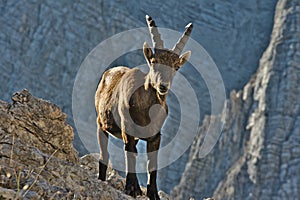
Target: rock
{"x":257,"y":155}
{"x":40,"y":124}
{"x":37,"y":158}
{"x":7,"y":193}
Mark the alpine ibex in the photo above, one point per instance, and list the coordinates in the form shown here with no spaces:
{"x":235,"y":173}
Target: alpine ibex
{"x":131,"y":105}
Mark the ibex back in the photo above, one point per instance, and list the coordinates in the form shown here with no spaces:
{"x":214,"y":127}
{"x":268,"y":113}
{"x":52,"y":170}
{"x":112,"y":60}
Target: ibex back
{"x":131,"y":105}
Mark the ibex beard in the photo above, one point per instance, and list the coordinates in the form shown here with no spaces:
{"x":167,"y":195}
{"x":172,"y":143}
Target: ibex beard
{"x":131,"y":105}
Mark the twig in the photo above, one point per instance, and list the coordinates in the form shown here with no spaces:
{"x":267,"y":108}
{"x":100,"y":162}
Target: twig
{"x":12,"y":150}
{"x":36,"y":178}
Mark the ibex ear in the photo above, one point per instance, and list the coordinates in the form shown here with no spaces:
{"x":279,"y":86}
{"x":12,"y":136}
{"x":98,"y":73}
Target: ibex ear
{"x":147,"y":52}
{"x":184,"y":58}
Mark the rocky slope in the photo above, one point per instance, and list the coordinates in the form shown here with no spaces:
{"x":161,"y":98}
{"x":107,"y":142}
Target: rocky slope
{"x":37,"y":158}
{"x":42,"y":44}
{"x":258,"y":154}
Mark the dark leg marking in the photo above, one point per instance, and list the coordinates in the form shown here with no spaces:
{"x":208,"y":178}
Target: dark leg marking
{"x":103,"y":160}
{"x":132,"y":187}
{"x":152,"y":150}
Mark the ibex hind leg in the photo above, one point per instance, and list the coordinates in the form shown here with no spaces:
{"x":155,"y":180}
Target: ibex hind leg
{"x":103,"y":159}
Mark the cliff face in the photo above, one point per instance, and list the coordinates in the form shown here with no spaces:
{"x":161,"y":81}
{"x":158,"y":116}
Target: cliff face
{"x":37,"y":158}
{"x":258,"y":154}
{"x":42,"y":44}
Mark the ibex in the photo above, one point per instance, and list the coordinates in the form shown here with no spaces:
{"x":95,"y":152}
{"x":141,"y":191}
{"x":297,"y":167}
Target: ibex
{"x":131,"y":105}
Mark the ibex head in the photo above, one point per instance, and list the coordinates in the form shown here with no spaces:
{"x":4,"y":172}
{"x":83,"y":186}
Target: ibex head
{"x":163,"y":62}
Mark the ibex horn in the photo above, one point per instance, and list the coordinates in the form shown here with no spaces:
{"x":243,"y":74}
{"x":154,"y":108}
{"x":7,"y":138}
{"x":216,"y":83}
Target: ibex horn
{"x":183,"y":40}
{"x":155,"y":36}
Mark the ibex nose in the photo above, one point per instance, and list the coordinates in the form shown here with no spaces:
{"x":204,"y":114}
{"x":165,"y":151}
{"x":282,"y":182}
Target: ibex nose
{"x":163,"y":88}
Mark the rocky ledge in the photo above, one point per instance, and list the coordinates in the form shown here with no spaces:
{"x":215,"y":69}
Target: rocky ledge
{"x":37,"y":158}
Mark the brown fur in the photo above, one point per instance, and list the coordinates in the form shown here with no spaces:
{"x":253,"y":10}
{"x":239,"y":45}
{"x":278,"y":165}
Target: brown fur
{"x":131,"y":105}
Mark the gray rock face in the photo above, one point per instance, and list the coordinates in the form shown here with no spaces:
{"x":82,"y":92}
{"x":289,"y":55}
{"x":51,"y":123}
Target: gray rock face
{"x":42,"y":44}
{"x":257,"y":156}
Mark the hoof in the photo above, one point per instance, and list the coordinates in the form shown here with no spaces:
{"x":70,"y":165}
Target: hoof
{"x":152,"y":193}
{"x":102,"y":171}
{"x":101,"y":177}
{"x":133,"y":189}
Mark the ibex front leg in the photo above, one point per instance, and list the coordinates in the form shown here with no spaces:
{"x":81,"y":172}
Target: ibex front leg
{"x":103,"y":160}
{"x":152,"y":150}
{"x":132,"y":186}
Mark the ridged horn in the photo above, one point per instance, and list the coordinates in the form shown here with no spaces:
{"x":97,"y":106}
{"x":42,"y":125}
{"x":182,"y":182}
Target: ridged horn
{"x":183,"y":40}
{"x":155,"y":36}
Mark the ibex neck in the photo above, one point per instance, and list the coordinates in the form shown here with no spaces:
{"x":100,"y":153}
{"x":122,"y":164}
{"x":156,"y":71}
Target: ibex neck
{"x":148,"y":87}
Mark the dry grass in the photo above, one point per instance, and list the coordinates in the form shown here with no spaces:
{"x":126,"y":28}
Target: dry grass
{"x":18,"y":171}
{"x":38,"y":175}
